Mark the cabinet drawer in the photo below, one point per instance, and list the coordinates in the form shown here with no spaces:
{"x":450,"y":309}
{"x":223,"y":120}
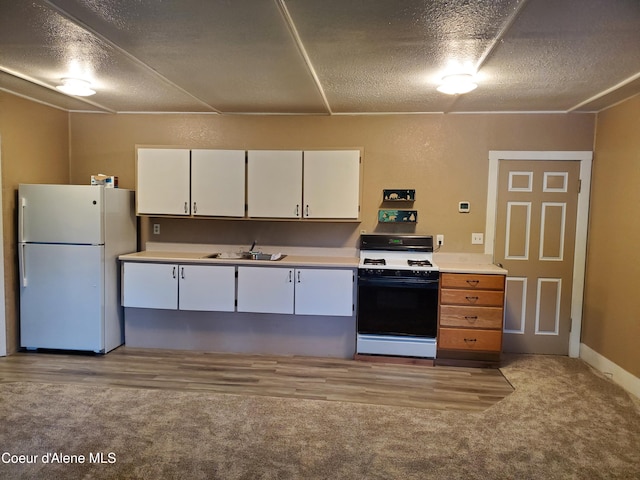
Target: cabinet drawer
{"x":470,"y":317}
{"x":469,"y":280}
{"x":477,"y":298}
{"x":468,"y":339}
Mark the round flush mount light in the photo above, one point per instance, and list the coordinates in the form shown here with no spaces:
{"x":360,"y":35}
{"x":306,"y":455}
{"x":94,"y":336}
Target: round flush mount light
{"x":457,"y":84}
{"x":76,"y":87}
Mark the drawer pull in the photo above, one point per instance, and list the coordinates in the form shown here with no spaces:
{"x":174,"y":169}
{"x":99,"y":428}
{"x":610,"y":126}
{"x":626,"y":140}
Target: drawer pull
{"x":471,"y":318}
{"x":473,"y":283}
{"x":472,"y":299}
{"x":470,"y":340}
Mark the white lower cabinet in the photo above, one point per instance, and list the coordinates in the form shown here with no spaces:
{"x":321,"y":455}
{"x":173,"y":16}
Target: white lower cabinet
{"x":178,"y":287}
{"x":282,"y":290}
{"x":324,"y":292}
{"x":150,"y":285}
{"x":303,"y":291}
{"x":265,"y":289}
{"x":207,"y":288}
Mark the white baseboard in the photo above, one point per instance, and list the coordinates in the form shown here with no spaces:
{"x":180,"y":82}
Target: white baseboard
{"x":619,"y":375}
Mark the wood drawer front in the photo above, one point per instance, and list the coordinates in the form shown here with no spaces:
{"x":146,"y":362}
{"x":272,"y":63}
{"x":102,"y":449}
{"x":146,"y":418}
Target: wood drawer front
{"x":469,"y":280}
{"x":477,"y":298}
{"x":469,"y":339}
{"x":470,"y":317}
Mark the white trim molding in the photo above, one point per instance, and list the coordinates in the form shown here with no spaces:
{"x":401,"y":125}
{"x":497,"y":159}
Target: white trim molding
{"x":617,"y":374}
{"x":580,"y":253}
{"x":3,"y":319}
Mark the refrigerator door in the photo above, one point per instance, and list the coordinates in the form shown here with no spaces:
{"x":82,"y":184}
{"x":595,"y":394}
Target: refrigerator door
{"x":61,"y":214}
{"x":61,"y":297}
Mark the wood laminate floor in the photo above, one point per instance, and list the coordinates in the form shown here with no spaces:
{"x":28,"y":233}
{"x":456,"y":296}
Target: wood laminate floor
{"x":449,"y":388}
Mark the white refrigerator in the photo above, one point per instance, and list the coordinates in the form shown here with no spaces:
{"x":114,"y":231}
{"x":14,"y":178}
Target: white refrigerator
{"x":69,"y":239}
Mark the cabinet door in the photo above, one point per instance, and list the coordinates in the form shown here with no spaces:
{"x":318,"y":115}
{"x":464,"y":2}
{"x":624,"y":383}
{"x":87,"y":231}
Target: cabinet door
{"x":217,"y":182}
{"x":324,"y":292}
{"x":162,"y":181}
{"x":150,"y":285}
{"x":331,"y":184}
{"x":265,"y":289}
{"x":207,"y":288}
{"x":274,"y":183}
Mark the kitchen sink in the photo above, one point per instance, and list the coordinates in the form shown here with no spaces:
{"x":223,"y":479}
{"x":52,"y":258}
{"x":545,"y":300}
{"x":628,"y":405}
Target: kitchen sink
{"x":246,"y":256}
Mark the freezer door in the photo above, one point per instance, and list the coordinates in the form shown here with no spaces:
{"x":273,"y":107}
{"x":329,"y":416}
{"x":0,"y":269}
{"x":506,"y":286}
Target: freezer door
{"x":60,"y":214}
{"x":61,"y":297}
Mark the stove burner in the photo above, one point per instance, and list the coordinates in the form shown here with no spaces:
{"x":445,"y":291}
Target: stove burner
{"x":419,"y":263}
{"x":375,"y":261}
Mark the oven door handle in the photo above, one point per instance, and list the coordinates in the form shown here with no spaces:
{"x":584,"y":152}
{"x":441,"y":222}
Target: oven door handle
{"x":398,"y":282}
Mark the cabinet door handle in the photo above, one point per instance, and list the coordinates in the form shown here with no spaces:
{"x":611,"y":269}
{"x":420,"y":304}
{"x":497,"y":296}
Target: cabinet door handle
{"x":186,"y":207}
{"x":297,"y":210}
{"x":174,"y":272}
{"x":473,"y":283}
{"x":195,"y":207}
{"x":298,"y":276}
{"x":290,"y":273}
{"x":306,"y":212}
{"x":472,"y":299}
{"x":182,"y":273}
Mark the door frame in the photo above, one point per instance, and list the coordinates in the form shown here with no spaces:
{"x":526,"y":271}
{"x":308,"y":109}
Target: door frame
{"x":3,"y":319}
{"x":580,"y":256}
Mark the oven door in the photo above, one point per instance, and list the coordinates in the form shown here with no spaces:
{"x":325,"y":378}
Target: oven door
{"x":398,"y":306}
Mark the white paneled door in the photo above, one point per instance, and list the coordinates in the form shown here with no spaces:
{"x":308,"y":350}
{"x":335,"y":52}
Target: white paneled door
{"x":535,"y":238}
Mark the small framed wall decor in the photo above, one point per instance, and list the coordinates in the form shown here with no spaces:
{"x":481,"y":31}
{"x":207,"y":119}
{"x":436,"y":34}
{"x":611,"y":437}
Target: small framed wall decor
{"x":397,"y":216}
{"x":398,"y":195}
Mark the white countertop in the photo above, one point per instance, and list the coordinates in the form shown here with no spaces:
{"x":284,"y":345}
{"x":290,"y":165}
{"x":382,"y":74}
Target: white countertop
{"x":467,"y":263}
{"x":481,"y":268}
{"x":200,"y":257}
{"x":344,"y":258}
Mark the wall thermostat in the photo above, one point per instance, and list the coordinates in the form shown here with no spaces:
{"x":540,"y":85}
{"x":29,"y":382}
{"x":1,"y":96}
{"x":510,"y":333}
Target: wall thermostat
{"x":463,"y":207}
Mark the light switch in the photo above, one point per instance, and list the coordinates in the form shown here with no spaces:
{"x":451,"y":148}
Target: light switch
{"x":477,"y":238}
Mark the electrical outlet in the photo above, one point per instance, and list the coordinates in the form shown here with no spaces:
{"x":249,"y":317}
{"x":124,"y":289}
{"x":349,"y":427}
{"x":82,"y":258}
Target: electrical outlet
{"x":156,"y":229}
{"x":477,"y":238}
{"x":439,"y":240}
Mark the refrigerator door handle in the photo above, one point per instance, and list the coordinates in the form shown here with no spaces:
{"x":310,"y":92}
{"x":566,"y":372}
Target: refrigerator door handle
{"x":23,"y":269}
{"x":23,"y":204}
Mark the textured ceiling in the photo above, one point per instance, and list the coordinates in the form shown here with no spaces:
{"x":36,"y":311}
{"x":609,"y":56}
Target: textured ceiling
{"x":322,"y":57}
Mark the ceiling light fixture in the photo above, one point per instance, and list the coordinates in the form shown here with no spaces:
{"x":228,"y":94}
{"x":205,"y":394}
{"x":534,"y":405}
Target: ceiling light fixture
{"x":76,"y":87}
{"x":457,"y":84}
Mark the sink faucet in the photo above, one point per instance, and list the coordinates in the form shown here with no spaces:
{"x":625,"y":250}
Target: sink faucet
{"x":252,"y":246}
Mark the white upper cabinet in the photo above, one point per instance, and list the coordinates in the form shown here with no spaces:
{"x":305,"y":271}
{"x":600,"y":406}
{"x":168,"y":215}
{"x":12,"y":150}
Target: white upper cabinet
{"x":217,"y":182}
{"x":331,"y":184}
{"x":163,"y":181}
{"x":310,"y":184}
{"x":173,"y":181}
{"x":314,"y":184}
{"x":274,"y":183}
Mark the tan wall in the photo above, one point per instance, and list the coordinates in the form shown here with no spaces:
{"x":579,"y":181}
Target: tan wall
{"x":612,"y":302}
{"x":35,"y":149}
{"x":444,"y":157}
